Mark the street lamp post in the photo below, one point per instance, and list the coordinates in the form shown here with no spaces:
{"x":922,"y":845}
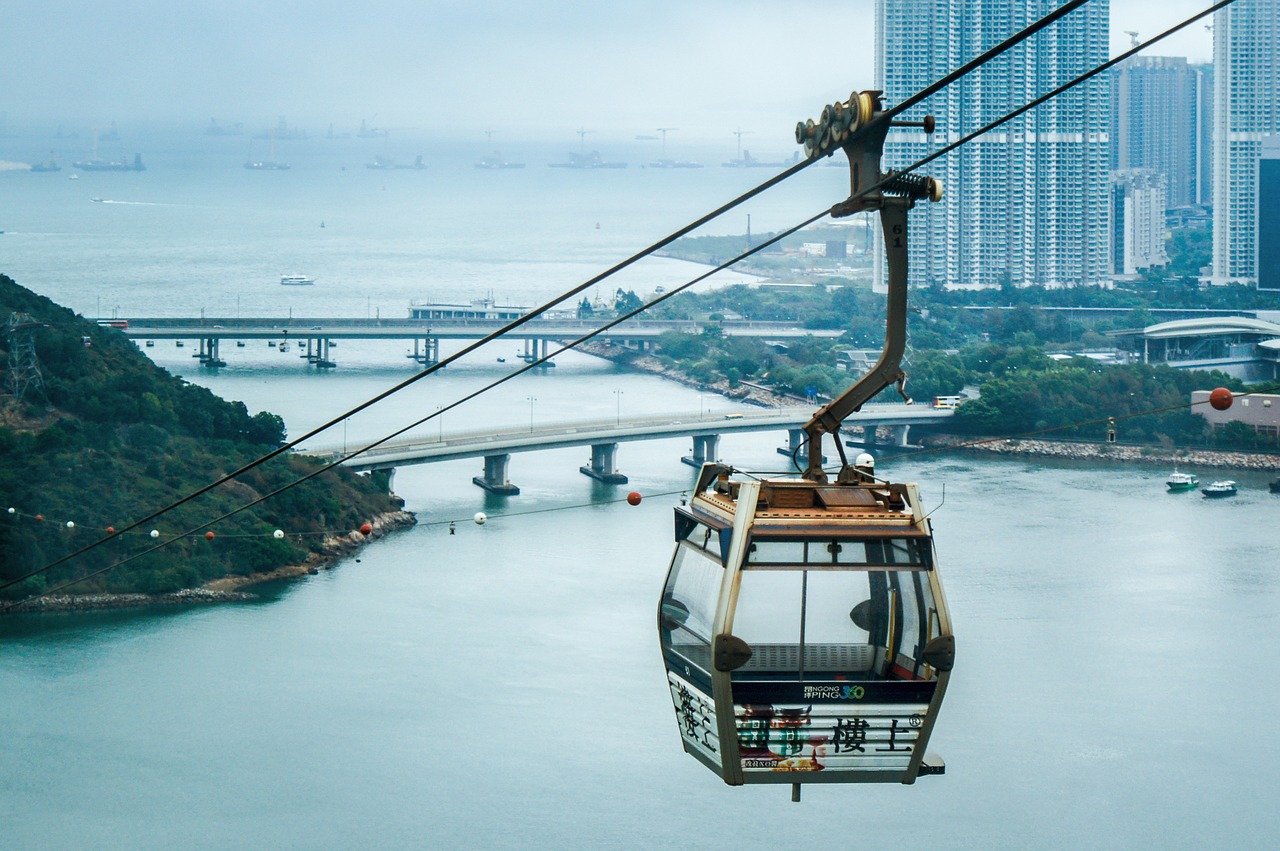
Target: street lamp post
{"x":617,"y":394}
{"x":531,"y":400}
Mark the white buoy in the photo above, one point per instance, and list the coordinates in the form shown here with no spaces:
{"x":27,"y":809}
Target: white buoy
{"x":277,"y":534}
{"x":154,"y":533}
{"x":71,"y":524}
{"x":480,"y":518}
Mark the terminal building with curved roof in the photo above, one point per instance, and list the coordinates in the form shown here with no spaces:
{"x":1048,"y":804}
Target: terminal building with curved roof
{"x":1241,"y":346}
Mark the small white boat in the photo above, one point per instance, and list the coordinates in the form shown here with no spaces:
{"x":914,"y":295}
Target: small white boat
{"x":1219,"y":489}
{"x":296,"y":281}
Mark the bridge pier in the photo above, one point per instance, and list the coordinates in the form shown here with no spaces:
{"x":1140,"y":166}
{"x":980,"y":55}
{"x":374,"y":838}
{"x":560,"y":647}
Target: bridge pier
{"x":797,"y":438}
{"x":495,"y":478}
{"x":208,"y":353}
{"x":900,"y":434}
{"x":536,"y":349}
{"x":318,"y":352}
{"x":426,"y":351}
{"x":705,"y":448}
{"x":603,"y":464}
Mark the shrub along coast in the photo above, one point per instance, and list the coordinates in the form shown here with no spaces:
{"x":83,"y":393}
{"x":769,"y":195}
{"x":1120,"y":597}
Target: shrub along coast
{"x":104,"y":437}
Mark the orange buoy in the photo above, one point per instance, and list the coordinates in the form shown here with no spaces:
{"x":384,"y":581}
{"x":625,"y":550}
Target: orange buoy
{"x":208,"y":536}
{"x":634,"y":498}
{"x":1221,"y":399}
{"x":366,"y":530}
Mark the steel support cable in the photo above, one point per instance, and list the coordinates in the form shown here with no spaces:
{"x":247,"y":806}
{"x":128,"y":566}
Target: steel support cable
{"x":1008,"y":43}
{"x":337,"y":461}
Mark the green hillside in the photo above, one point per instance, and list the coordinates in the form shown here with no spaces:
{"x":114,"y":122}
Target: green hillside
{"x":113,"y":437}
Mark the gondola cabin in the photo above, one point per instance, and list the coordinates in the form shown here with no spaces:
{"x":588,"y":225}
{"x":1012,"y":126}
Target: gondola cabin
{"x":804,"y":630}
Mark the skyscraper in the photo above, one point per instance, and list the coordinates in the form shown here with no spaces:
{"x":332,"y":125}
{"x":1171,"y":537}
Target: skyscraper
{"x":1246,"y":58}
{"x":1029,"y":202}
{"x":1202,"y":161}
{"x":1154,"y":108}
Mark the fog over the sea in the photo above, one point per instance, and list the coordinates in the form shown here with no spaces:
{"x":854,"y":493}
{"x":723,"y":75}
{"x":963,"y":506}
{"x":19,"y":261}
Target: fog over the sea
{"x":536,"y":69}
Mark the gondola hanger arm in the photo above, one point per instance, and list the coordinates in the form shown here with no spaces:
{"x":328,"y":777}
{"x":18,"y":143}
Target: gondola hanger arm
{"x":860,"y":128}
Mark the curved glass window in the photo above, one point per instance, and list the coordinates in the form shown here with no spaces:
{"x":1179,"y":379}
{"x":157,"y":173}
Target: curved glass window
{"x":688,"y":608}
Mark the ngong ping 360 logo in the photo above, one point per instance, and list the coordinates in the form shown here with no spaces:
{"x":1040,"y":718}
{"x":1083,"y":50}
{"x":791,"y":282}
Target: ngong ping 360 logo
{"x":842,"y":692}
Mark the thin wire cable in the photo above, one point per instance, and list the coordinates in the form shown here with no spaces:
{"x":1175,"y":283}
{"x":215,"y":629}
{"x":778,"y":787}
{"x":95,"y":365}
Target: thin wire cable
{"x":506,"y":329}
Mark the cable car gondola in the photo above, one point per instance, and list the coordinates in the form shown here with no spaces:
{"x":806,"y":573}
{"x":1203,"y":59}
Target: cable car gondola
{"x":803,"y":624}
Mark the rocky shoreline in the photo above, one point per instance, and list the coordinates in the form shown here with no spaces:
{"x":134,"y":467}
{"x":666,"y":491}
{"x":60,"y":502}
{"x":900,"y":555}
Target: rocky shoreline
{"x":228,"y":589}
{"x":1199,"y":458}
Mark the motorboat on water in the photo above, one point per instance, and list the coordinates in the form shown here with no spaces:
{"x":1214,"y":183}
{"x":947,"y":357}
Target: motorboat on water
{"x":296,"y":281}
{"x":1219,"y":489}
{"x":1179,"y":481}
{"x":1274,"y":485}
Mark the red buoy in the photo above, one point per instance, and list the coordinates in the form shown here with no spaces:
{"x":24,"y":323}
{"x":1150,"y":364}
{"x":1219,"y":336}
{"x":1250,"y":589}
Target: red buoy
{"x":633,"y":498}
{"x":111,"y":530}
{"x":208,"y":536}
{"x":1221,"y":399}
{"x":366,"y":529}
{"x":39,"y":516}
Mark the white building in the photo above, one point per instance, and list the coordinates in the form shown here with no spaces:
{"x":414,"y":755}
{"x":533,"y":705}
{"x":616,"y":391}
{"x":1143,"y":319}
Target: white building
{"x":1246,"y":57}
{"x":1030,"y":202}
{"x":1138,"y":226}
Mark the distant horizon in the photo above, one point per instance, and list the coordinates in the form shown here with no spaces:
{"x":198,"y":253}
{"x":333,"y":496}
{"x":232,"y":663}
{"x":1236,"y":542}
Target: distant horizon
{"x":707,"y":68}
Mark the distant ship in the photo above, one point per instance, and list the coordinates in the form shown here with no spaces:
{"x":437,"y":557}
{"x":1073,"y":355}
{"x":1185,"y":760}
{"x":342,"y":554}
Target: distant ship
{"x":110,"y":165}
{"x":48,"y":165}
{"x":387,"y":164}
{"x":216,"y":129}
{"x":749,"y":161}
{"x":296,"y":280}
{"x":366,"y":132}
{"x":591,"y":160}
{"x":675,"y":164}
{"x":496,"y":161}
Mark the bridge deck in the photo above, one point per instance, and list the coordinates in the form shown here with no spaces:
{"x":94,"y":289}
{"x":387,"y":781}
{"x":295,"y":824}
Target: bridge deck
{"x":475,"y":444}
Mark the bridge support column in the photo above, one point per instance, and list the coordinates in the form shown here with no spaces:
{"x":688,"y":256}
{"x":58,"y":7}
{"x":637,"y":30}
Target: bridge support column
{"x":536,"y":349}
{"x":321,"y":356}
{"x":705,"y":448}
{"x":208,"y":353}
{"x":495,"y":479}
{"x":900,"y":434}
{"x":603,"y":464}
{"x":426,"y":351}
{"x":797,"y":438}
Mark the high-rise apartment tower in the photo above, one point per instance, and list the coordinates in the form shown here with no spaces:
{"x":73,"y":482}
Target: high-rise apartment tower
{"x":1029,"y":202}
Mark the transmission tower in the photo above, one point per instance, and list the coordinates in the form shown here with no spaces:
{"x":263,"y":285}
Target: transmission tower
{"x":24,"y":365}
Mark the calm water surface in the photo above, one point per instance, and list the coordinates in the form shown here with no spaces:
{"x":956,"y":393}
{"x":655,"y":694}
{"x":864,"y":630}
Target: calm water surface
{"x":502,"y":687}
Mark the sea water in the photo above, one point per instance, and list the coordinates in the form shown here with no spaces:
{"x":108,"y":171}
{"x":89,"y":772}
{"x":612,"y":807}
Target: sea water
{"x":500,"y":685}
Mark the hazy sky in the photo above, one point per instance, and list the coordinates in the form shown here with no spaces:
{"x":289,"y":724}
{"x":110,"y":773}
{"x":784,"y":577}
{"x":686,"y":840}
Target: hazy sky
{"x":537,"y":68}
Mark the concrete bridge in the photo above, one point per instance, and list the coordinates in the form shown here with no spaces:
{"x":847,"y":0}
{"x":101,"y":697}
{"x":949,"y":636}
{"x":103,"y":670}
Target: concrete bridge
{"x":603,"y":436}
{"x":314,"y":338}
